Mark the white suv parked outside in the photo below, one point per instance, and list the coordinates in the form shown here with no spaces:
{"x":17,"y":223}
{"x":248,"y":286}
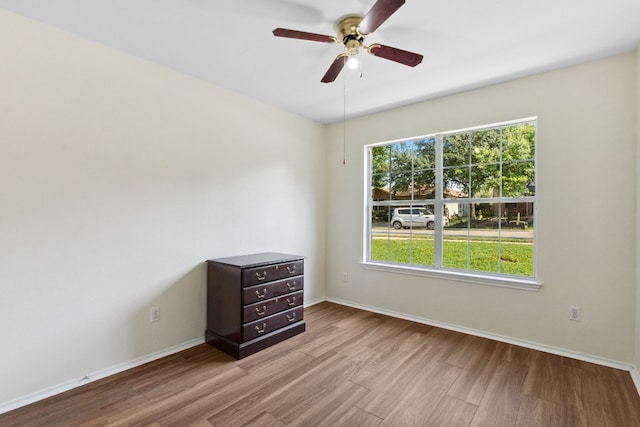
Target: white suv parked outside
{"x":412,"y":217}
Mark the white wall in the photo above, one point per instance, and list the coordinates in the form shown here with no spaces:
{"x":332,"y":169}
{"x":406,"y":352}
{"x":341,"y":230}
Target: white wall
{"x":586,"y":190}
{"x":118,"y":179}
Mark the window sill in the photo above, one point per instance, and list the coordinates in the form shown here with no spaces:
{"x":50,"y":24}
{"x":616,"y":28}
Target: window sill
{"x":500,"y":281}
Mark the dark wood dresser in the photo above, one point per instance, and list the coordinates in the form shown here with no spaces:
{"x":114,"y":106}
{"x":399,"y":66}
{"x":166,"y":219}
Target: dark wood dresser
{"x":254,"y":301}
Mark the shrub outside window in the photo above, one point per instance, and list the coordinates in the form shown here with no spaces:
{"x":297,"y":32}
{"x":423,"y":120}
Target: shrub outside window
{"x":460,"y":201}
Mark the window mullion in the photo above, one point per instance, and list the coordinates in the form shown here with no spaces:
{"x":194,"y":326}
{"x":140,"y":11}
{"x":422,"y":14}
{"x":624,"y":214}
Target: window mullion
{"x":438,"y":206}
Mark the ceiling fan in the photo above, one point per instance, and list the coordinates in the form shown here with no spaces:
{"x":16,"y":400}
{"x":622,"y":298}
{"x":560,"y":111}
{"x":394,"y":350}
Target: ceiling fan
{"x":352,"y":31}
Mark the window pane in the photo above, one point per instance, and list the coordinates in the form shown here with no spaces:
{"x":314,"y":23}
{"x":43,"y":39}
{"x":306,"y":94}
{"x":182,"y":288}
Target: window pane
{"x":424,"y":182}
{"x":407,"y":238}
{"x":518,"y":142}
{"x":456,"y":149}
{"x":456,"y":182}
{"x":454,"y":212}
{"x":380,"y":187}
{"x":401,"y":176}
{"x":455,"y":248}
{"x":516,"y":251}
{"x":380,"y":216}
{"x":380,"y":237}
{"x":483,"y":252}
{"x":517,"y":178}
{"x":485,"y":147}
{"x":425,"y":150}
{"x":380,"y":159}
{"x":485,"y":181}
{"x":380,"y":167}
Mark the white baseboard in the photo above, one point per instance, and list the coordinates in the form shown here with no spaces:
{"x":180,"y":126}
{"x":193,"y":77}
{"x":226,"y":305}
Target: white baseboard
{"x":635,"y":376}
{"x":314,"y":302}
{"x":522,"y":343}
{"x":68,"y":385}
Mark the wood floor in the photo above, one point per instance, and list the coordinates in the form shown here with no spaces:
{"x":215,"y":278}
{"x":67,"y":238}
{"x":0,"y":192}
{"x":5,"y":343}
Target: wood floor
{"x":352,"y":368}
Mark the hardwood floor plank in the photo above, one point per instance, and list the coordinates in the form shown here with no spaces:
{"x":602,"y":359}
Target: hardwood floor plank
{"x":540,"y":381}
{"x":274,"y":359}
{"x":351,"y":368}
{"x":250,"y":402}
{"x":384,"y":397}
{"x":444,"y":339}
{"x":367,"y":335}
{"x":477,"y":373}
{"x":582,"y":392}
{"x":621,"y":404}
{"x":334,"y":340}
{"x":389,"y":334}
{"x":323,"y":388}
{"x":349,"y":335}
{"x":467,"y":349}
{"x":248,"y":387}
{"x":536,"y":412}
{"x":452,"y":412}
{"x":381,"y":370}
{"x":265,"y":419}
{"x":519,"y":355}
{"x":328,"y":407}
{"x":355,"y":416}
{"x":501,"y":401}
{"x":149,"y":408}
{"x":419,"y":403}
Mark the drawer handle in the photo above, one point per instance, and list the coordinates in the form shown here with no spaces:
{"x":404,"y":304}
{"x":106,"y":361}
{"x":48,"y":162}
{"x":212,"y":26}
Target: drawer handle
{"x":291,"y":302}
{"x":291,"y":269}
{"x":291,"y":287}
{"x":261,"y":278}
{"x":261,"y":331}
{"x":261,"y":313}
{"x":261,"y":295}
{"x":291,"y":318}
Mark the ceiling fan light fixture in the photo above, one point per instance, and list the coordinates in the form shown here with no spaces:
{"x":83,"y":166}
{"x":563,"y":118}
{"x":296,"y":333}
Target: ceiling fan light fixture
{"x":353,"y":62}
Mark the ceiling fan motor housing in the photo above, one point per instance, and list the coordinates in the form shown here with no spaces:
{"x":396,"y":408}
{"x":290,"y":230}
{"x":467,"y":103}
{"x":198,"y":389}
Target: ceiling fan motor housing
{"x":347,"y":29}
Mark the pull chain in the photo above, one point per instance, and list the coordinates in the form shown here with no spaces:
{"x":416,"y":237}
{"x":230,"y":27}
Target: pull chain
{"x":344,"y":119}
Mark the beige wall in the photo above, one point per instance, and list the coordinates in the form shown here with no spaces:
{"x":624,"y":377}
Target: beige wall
{"x":118,"y":179}
{"x":586,"y":212}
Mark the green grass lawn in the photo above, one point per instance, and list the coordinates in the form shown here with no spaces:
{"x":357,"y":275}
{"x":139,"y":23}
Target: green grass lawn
{"x":486,"y":255}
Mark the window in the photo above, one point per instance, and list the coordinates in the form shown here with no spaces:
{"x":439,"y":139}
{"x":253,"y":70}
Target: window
{"x":459,"y":202}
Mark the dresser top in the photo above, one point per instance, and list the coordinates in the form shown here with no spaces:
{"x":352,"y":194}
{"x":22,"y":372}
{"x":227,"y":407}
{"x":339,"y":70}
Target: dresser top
{"x":254,"y":260}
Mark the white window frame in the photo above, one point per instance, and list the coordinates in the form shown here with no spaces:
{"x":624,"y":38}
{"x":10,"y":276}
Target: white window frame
{"x":438,"y":271}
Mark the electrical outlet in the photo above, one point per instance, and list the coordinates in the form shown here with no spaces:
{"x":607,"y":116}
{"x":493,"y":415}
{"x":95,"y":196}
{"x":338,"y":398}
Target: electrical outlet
{"x":155,"y":314}
{"x":345,"y":276}
{"x":574,"y":313}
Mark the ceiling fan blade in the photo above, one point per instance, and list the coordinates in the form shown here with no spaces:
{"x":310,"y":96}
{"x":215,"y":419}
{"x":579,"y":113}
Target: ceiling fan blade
{"x":378,"y":13}
{"x":335,"y":68}
{"x":302,"y":35}
{"x":394,"y":54}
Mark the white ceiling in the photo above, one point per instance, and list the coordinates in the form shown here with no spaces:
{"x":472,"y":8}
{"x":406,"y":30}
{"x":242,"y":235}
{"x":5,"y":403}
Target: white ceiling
{"x":465,"y":43}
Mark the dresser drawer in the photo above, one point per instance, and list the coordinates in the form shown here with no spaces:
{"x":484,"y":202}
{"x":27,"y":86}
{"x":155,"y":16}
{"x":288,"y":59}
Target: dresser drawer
{"x":271,"y":290}
{"x":266,"y":308}
{"x":269,"y":273}
{"x":272,"y":323}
